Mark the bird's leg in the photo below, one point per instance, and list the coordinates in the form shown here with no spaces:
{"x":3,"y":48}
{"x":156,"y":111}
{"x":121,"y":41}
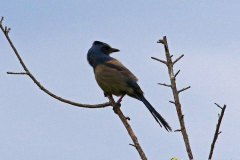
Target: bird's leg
{"x":115,"y":105}
{"x":120,"y":100}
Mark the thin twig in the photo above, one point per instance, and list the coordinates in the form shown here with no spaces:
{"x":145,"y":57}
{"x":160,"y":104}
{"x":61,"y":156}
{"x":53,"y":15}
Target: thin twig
{"x":38,"y":83}
{"x":176,"y":102}
{"x":129,"y":129}
{"x":218,"y":106}
{"x":1,"y":20}
{"x":181,"y":90}
{"x":178,"y":59}
{"x":172,"y":102}
{"x":217,"y":132}
{"x":21,"y":73}
{"x":178,"y":130}
{"x":164,"y":84}
{"x":177,"y":73}
{"x":164,"y":62}
{"x":132,"y":145}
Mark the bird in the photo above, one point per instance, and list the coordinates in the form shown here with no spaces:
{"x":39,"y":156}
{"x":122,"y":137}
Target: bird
{"x":115,"y":79}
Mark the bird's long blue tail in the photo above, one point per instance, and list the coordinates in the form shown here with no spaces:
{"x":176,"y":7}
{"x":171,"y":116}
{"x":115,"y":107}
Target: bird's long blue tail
{"x":161,"y":121}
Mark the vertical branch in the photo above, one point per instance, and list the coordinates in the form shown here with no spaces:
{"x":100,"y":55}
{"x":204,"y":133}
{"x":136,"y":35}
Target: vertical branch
{"x":176,"y":92}
{"x":118,"y":111}
{"x":217,"y":132}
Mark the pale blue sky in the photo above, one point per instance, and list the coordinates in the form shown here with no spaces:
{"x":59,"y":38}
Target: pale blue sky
{"x":53,"y":38}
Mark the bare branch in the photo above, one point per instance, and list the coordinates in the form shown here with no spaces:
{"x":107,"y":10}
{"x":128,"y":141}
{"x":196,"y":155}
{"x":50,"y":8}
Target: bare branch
{"x":178,"y":130}
{"x":5,"y":32}
{"x":118,"y":111}
{"x":164,"y":84}
{"x":161,"y":41}
{"x":172,"y":102}
{"x":217,"y":132}
{"x":175,"y":92}
{"x":164,"y":62}
{"x":132,"y":145}
{"x":218,"y":105}
{"x":181,"y":90}
{"x":1,"y":20}
{"x":18,"y":73}
{"x":178,"y":59}
{"x":177,"y":73}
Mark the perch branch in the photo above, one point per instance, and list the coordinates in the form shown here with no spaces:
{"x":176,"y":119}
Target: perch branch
{"x":5,"y":31}
{"x":175,"y":92}
{"x":129,"y":129}
{"x":110,"y":103}
{"x":217,"y":132}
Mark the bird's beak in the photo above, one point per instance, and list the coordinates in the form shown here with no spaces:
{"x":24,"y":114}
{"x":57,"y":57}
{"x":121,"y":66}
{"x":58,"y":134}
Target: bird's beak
{"x":115,"y":50}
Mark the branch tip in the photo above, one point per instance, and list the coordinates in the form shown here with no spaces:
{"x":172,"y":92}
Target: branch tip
{"x":178,"y":59}
{"x":177,"y":73}
{"x":164,"y":84}
{"x":1,"y":20}
{"x":181,"y":90}
{"x":161,"y":41}
{"x":178,"y":130}
{"x":219,"y":106}
{"x":132,"y":145}
{"x":18,"y":73}
{"x":172,"y":102}
{"x":162,"y":61}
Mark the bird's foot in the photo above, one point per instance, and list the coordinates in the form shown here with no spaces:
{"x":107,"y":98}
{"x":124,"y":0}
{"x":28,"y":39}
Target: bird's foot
{"x":116,"y":107}
{"x":120,"y":99}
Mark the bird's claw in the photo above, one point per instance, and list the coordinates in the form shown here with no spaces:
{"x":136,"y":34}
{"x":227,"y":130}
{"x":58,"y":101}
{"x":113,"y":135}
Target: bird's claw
{"x":116,"y":107}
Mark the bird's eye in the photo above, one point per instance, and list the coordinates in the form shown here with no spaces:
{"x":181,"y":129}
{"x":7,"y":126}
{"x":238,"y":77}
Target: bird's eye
{"x":107,"y":48}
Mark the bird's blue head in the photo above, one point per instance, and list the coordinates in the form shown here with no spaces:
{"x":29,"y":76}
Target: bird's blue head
{"x":104,"y":47}
{"x":99,"y":53}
